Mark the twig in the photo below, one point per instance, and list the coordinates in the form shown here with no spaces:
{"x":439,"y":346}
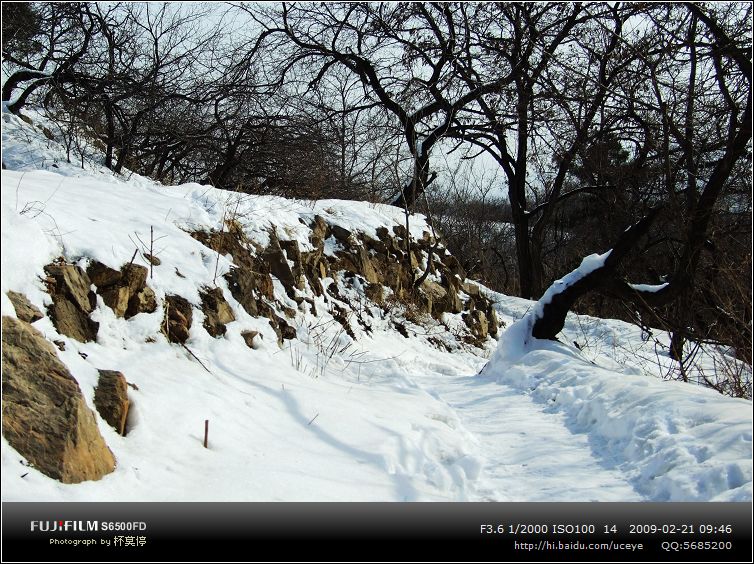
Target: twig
{"x":312,"y":420}
{"x":197,"y":358}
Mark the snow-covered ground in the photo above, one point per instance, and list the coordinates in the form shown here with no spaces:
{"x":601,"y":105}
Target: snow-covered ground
{"x":329,"y":418}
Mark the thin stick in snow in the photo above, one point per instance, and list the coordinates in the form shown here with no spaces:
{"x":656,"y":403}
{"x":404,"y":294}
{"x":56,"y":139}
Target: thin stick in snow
{"x":312,"y":420}
{"x":206,"y":431}
{"x":196,"y":357}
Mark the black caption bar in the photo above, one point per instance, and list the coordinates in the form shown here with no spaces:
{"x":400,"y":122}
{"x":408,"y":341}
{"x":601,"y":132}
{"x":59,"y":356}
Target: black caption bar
{"x":173,"y":532}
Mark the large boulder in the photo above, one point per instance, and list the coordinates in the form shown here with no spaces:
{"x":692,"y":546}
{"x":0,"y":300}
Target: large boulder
{"x":111,"y":399}
{"x":25,"y":310}
{"x":45,"y":416}
{"x":72,"y":301}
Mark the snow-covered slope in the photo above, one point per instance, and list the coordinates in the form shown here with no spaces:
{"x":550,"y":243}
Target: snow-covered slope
{"x":327,"y":417}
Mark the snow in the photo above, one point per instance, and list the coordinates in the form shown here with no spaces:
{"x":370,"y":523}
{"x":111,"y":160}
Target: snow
{"x":652,"y":288}
{"x":330,"y":418}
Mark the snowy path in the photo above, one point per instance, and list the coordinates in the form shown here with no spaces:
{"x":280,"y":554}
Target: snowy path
{"x":527,"y":453}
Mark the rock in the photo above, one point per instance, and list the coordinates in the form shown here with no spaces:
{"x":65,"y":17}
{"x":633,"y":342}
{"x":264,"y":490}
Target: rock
{"x":435,"y":296}
{"x":274,"y":256}
{"x":365,"y":267}
{"x":111,"y":399}
{"x":293,"y":254}
{"x":25,"y":310}
{"x":494,"y":322}
{"x":400,"y":231}
{"x":471,"y":289}
{"x":153,"y":260}
{"x":251,"y":338}
{"x":375,"y":292}
{"x":69,"y":320}
{"x":117,"y":298}
{"x":178,"y":318}
{"x":340,"y":233}
{"x":287,"y":331}
{"x":477,"y":324}
{"x":71,"y":282}
{"x":248,"y":287}
{"x":102,"y":275}
{"x":217,"y":311}
{"x":314,"y":267}
{"x":142,"y":302}
{"x":342,"y":316}
{"x":60,"y":344}
{"x":45,"y":416}
{"x":454,"y":267}
{"x":320,"y":230}
{"x":134,"y":277}
{"x":124,"y":291}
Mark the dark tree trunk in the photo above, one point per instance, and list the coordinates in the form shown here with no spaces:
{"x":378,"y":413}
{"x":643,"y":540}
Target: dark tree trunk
{"x":551,"y":319}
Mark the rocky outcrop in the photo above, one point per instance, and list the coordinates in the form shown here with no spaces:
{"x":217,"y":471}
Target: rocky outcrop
{"x":25,"y":310}
{"x":217,"y":312}
{"x":45,"y":416}
{"x":178,"y":317}
{"x":111,"y":399}
{"x":72,"y":301}
{"x":125,"y":291}
{"x":379,"y":267}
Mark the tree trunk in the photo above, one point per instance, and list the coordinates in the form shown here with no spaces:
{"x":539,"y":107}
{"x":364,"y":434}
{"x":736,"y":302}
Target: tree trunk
{"x":550,"y":312}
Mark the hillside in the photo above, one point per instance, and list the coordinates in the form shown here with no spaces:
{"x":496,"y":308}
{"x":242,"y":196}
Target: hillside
{"x":286,"y":325}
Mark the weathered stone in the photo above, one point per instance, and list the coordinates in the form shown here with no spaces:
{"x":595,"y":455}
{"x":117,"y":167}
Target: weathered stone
{"x":251,"y":338}
{"x":153,"y":260}
{"x":111,"y":399}
{"x":364,"y":266}
{"x":70,"y":321}
{"x":178,"y":318}
{"x":73,"y":283}
{"x":217,"y":312}
{"x":340,"y":233}
{"x":125,"y":291}
{"x":435,"y":296}
{"x":102,"y":275}
{"x":494,"y":322}
{"x":454,"y":266}
{"x":25,"y":310}
{"x":275,"y":257}
{"x":142,"y":302}
{"x":320,"y":230}
{"x":400,"y":231}
{"x":375,"y":292}
{"x":452,"y":284}
{"x":287,"y":331}
{"x":117,"y":298}
{"x":477,"y":324}
{"x":231,"y":242}
{"x":134,"y":276}
{"x":470,"y":288}
{"x":45,"y":416}
{"x":248,"y":287}
{"x":293,"y":254}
